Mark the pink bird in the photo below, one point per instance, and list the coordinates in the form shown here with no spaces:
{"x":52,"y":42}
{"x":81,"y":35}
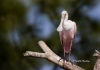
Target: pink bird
{"x":67,"y":31}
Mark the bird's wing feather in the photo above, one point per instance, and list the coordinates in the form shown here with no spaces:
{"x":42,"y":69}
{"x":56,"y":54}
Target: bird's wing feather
{"x":75,"y":29}
{"x":67,"y":41}
{"x":67,"y":38}
{"x":61,"y":37}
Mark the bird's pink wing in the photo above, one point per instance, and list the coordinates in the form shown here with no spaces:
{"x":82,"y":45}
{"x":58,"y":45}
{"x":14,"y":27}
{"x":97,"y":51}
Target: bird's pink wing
{"x":61,"y":36}
{"x":67,"y":38}
{"x":70,"y":38}
{"x":75,"y":29}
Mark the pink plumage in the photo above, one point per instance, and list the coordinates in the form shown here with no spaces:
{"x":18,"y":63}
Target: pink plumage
{"x":67,"y":31}
{"x":66,"y":38}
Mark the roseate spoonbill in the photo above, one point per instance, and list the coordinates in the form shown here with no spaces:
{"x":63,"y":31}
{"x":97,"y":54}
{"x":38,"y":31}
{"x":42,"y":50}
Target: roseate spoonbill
{"x":67,"y":31}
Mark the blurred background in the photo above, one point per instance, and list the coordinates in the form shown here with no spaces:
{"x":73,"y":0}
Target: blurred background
{"x":25,"y":22}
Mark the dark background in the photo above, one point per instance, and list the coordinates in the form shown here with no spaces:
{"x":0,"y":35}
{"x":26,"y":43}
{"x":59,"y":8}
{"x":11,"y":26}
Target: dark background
{"x":25,"y":22}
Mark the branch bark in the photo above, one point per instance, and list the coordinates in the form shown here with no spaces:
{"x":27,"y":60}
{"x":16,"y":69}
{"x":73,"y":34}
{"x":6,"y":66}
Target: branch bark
{"x":97,"y":64}
{"x":51,"y":56}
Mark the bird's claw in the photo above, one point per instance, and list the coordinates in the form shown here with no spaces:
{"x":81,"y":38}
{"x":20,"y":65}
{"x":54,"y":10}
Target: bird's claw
{"x":66,"y":60}
{"x":70,"y":61}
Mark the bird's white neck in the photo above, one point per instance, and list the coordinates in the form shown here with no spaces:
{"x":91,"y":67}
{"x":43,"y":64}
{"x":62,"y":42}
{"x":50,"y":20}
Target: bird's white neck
{"x":60,"y":27}
{"x":62,"y":23}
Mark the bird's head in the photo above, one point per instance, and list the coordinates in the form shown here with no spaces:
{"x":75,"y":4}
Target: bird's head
{"x":64,"y":14}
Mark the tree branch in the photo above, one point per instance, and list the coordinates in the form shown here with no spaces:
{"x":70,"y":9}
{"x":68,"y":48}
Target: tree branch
{"x":51,"y":56}
{"x":35,"y":54}
{"x":97,"y":64}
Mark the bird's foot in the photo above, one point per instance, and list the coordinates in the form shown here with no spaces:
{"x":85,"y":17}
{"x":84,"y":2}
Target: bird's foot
{"x":70,"y":61}
{"x":66,"y":60}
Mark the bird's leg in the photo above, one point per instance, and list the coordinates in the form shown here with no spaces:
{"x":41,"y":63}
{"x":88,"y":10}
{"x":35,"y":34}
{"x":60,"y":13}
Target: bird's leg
{"x":64,"y":59}
{"x":70,"y":53}
{"x":69,"y":57}
{"x":70,"y":50}
{"x":64,"y":56}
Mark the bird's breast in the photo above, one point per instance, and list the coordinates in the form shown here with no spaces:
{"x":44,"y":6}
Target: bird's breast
{"x":68,"y":25}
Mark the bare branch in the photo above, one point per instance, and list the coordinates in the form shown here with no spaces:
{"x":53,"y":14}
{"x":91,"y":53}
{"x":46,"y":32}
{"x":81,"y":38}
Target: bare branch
{"x":97,"y":64}
{"x":36,"y":54}
{"x":51,"y":56}
{"x":96,"y":51}
{"x":44,"y":47}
